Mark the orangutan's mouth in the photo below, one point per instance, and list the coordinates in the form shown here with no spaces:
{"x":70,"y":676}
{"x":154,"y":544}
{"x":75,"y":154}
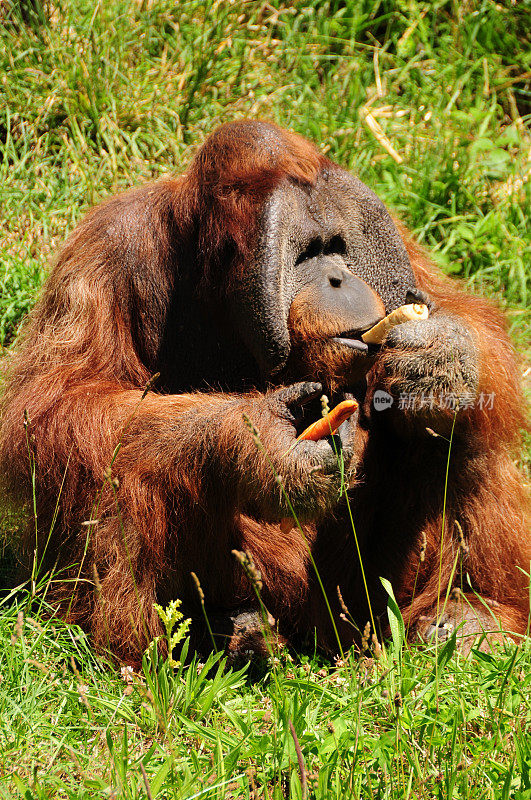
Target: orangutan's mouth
{"x":353,"y":340}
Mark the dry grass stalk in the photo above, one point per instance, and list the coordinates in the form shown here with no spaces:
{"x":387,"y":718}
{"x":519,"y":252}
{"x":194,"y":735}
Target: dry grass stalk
{"x":365,"y":637}
{"x":463,"y":544}
{"x":18,"y":628}
{"x":376,"y":130}
{"x":300,"y":759}
{"x":423,"y":546}
{"x":246,"y":560}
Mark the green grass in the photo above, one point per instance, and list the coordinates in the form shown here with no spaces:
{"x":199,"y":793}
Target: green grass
{"x":95,"y":97}
{"x":405,"y":723}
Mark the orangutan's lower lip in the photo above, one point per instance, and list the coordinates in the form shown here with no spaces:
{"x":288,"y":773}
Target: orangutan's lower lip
{"x":354,"y":344}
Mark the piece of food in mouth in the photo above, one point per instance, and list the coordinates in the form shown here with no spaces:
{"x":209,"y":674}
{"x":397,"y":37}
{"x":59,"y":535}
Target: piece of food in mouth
{"x":330,"y":422}
{"x":412,"y":312}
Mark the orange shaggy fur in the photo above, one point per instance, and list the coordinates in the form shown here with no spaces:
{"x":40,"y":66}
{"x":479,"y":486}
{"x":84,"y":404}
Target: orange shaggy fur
{"x":92,"y":344}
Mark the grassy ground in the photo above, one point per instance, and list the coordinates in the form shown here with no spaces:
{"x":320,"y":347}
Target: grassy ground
{"x":406,"y":723}
{"x":427,"y":102}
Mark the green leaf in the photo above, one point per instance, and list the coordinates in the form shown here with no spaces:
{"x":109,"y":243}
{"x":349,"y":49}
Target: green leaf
{"x":23,"y":789}
{"x":447,"y":650}
{"x":396,"y":622}
{"x":158,"y":780}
